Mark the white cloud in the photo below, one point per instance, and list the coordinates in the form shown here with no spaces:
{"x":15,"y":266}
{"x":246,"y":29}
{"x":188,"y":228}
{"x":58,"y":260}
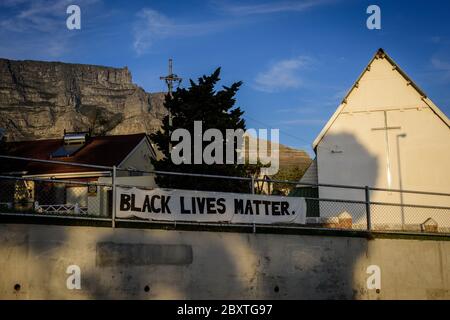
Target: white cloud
{"x":282,"y":75}
{"x":40,"y":15}
{"x":270,"y":7}
{"x":152,"y":25}
{"x":441,"y":65}
{"x":436,"y":39}
{"x":38,"y":27}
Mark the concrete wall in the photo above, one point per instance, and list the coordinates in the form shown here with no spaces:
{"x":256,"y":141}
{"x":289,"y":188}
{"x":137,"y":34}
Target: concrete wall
{"x":120,"y":263}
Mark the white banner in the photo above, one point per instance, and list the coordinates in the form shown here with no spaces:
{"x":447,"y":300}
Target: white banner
{"x":200,"y":206}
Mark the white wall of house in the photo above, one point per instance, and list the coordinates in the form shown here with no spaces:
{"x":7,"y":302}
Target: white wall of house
{"x":139,"y":158}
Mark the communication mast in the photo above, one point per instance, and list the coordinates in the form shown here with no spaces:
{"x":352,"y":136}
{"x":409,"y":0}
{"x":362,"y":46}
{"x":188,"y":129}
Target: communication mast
{"x":170,"y":79}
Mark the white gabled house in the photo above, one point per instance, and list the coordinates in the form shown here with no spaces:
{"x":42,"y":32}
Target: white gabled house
{"x":386,"y":133}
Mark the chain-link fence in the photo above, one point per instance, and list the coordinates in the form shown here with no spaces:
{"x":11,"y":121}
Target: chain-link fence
{"x":340,"y":214}
{"x":409,"y":218}
{"x":327,"y":206}
{"x":55,"y":197}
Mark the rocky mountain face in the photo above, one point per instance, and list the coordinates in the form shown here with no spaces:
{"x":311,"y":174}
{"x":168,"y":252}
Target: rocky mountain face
{"x":41,"y":99}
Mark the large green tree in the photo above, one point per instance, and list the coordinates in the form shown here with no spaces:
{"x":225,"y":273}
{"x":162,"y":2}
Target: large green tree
{"x":215,"y":109}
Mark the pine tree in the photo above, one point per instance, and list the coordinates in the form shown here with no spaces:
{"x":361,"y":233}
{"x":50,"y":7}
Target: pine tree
{"x":215,"y":109}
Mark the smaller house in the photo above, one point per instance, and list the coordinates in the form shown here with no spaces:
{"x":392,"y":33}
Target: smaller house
{"x":133,"y":151}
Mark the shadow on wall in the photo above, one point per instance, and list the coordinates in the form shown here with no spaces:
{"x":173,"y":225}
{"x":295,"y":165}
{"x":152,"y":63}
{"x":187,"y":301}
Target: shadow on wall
{"x":34,"y":260}
{"x":345,"y":160}
{"x":162,"y":264}
{"x":132,"y":264}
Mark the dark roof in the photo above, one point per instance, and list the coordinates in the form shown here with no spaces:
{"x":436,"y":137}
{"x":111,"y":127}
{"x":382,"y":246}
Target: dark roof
{"x":100,"y":150}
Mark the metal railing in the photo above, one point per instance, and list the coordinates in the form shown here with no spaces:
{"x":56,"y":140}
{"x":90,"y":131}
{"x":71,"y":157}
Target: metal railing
{"x":344,"y":207}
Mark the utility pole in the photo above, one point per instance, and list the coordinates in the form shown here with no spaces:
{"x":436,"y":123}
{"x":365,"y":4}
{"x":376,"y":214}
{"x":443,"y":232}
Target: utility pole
{"x":170,"y":79}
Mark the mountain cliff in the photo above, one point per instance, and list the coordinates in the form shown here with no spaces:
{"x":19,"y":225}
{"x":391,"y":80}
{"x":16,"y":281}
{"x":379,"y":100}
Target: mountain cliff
{"x":40,"y":99}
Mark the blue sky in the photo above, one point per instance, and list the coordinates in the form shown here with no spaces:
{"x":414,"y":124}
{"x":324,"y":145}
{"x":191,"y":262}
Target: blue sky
{"x":296,"y":58}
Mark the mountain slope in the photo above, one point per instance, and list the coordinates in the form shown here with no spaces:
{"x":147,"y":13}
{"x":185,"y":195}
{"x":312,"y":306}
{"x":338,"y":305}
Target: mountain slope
{"x":40,"y":99}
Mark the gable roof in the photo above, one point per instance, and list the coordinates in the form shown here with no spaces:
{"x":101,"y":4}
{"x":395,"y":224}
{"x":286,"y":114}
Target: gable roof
{"x":380,"y":54}
{"x":310,"y":175}
{"x":101,"y":150}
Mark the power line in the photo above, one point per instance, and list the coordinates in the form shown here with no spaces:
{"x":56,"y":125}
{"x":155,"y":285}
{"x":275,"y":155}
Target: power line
{"x":284,"y":132}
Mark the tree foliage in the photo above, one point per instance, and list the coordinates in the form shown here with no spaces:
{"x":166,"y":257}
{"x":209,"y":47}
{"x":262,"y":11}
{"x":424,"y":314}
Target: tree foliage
{"x":291,"y":174}
{"x":215,"y":109}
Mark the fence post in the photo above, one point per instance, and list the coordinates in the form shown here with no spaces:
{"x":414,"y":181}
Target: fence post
{"x":114,"y":197}
{"x":369,"y":222}
{"x":253,"y":184}
{"x":253,"y":192}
